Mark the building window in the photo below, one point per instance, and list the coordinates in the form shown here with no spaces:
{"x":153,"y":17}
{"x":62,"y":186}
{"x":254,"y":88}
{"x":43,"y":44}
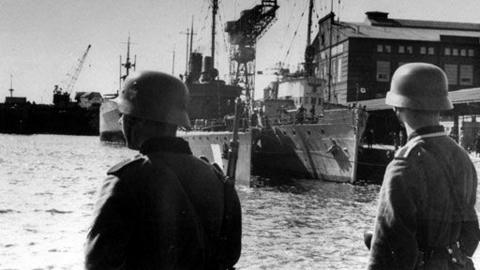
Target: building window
{"x":423,"y":50}
{"x":431,"y":50}
{"x":455,"y":52}
{"x":466,"y":74}
{"x":463,"y":52}
{"x":383,"y":71}
{"x":337,"y":49}
{"x":409,"y":49}
{"x":333,"y":70}
{"x":471,"y":52}
{"x":384,"y":48}
{"x":322,"y":73}
{"x":323,"y":55}
{"x":451,"y":71}
{"x":401,"y":49}
{"x":339,"y":72}
{"x":448,"y":51}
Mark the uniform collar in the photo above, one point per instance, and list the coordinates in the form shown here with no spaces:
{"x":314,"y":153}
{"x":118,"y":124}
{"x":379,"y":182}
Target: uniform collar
{"x":165,"y":144}
{"x":426,"y":130}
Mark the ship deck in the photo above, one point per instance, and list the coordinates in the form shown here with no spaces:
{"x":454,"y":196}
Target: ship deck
{"x":385,"y":147}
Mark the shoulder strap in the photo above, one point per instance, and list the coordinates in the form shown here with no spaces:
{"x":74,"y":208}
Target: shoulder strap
{"x":450,"y":179}
{"x":228,"y":217}
{"x":451,"y":187}
{"x":227,"y":220}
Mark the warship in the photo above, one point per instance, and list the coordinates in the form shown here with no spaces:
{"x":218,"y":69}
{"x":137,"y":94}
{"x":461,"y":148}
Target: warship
{"x":302,"y":132}
{"x":322,"y":146}
{"x":218,"y":117}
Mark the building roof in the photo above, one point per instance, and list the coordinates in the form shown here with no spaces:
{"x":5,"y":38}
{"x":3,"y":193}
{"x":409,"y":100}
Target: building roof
{"x":361,"y":30}
{"x":378,"y":25}
{"x":469,"y":95}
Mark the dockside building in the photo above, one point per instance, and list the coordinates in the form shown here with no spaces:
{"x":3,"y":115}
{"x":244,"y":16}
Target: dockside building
{"x":361,"y":57}
{"x":356,"y":60}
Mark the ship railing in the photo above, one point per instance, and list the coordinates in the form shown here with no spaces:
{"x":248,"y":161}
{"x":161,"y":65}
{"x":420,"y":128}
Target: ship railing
{"x":225,"y":124}
{"x":292,"y":119}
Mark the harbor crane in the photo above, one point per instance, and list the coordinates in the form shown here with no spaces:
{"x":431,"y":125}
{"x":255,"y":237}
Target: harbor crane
{"x":78,"y":69}
{"x":61,"y":97}
{"x":243,"y":36}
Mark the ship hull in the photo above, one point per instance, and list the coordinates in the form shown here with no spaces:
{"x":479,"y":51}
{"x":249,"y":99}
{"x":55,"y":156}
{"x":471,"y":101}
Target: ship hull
{"x":214,"y":146}
{"x":109,"y":125}
{"x":326,"y":150}
{"x":211,"y":145}
{"x":48,"y":119}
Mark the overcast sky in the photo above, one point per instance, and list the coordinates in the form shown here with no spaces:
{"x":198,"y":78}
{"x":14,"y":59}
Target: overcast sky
{"x":41,"y":40}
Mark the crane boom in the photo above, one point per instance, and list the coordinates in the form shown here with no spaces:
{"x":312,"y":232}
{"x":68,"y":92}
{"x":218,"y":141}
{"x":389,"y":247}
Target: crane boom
{"x":77,"y":71}
{"x":243,"y":35}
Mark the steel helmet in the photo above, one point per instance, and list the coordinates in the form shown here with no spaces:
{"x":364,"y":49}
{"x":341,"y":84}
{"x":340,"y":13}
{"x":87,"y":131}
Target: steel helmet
{"x":419,"y":86}
{"x":155,"y":96}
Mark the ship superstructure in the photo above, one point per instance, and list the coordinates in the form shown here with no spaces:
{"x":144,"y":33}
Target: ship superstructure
{"x":211,"y":109}
{"x":304,"y":132}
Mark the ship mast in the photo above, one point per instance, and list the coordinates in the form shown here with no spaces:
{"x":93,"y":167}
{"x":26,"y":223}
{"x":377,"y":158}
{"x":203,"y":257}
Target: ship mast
{"x":127,"y":65}
{"x":191,"y":38}
{"x":309,"y":27}
{"x":309,"y":53}
{"x":11,"y":86}
{"x":214,"y":15}
{"x":187,"y":34}
{"x":189,"y":45}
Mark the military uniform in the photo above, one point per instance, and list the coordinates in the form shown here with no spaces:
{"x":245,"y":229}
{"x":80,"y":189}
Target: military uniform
{"x":165,"y":209}
{"x":426,"y":206}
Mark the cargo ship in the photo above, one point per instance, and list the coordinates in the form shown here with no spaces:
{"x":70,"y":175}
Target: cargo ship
{"x":80,"y":117}
{"x":63,"y":116}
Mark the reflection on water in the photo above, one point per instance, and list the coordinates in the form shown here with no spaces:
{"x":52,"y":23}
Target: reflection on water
{"x":48,"y":185}
{"x":307,"y":225}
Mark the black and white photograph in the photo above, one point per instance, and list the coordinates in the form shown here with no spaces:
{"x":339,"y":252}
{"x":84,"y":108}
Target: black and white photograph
{"x":239,"y":134}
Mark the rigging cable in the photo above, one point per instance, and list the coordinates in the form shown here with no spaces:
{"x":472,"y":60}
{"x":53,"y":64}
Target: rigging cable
{"x":201,"y":33}
{"x":295,"y":33}
{"x":225,"y":43}
{"x":288,"y":24}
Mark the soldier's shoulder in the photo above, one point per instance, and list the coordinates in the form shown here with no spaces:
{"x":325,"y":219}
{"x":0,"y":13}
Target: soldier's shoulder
{"x":410,"y":150}
{"x":128,"y":163}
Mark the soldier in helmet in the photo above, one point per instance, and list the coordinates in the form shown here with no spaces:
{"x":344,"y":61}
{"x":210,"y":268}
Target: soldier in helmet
{"x":426,"y":217}
{"x":163,"y":209}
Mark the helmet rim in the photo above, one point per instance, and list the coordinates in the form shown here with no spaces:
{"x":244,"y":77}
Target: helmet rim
{"x":419,"y":86}
{"x":438,"y":103}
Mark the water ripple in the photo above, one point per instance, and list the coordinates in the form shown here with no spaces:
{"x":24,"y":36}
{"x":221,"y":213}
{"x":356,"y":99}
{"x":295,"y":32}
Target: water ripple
{"x":55,"y":211}
{"x":298,"y":224}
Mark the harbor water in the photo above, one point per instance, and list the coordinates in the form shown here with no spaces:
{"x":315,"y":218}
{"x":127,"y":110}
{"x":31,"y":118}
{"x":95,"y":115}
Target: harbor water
{"x":49,"y":182}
